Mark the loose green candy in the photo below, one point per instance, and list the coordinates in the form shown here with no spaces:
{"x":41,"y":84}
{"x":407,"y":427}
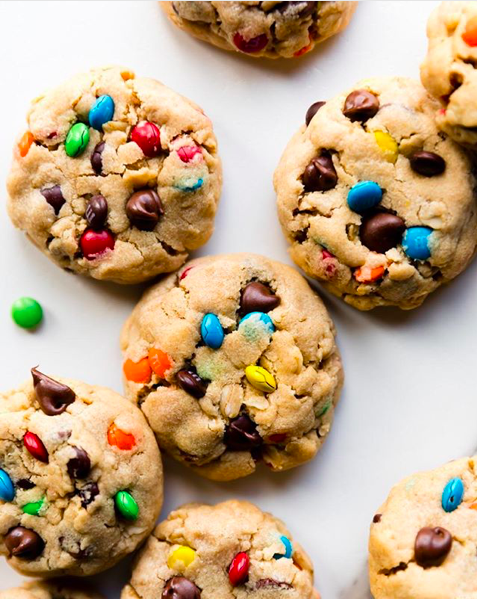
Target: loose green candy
{"x":27,"y":312}
{"x":34,"y":508}
{"x":77,"y":140}
{"x":126,"y":505}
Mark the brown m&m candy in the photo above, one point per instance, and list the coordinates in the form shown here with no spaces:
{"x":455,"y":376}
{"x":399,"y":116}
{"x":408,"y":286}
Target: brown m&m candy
{"x":381,"y":231}
{"x":192,"y":383}
{"x":96,"y":212}
{"x":80,"y":465}
{"x":97,"y":158}
{"x":360,"y":105}
{"x":428,"y":164}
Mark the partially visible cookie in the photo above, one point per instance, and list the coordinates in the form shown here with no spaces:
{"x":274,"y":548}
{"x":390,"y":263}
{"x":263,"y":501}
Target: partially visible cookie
{"x":48,"y":590}
{"x":449,"y":70}
{"x":80,"y":477}
{"x":423,"y":540}
{"x":117,"y":177}
{"x":268,"y":29}
{"x":375,"y":201}
{"x":225,"y":551}
{"x":233,"y":361}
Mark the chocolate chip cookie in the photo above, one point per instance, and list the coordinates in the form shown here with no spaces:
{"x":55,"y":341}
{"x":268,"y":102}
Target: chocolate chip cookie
{"x":48,"y":590}
{"x":117,"y":177}
{"x":263,"y":29}
{"x":225,"y":551}
{"x":80,"y":477}
{"x":233,"y":361}
{"x":376,"y":203}
{"x":423,"y":539}
{"x":449,"y":69}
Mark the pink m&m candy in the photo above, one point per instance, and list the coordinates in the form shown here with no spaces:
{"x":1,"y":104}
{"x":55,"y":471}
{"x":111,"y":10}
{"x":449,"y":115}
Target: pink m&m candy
{"x":188,"y":153}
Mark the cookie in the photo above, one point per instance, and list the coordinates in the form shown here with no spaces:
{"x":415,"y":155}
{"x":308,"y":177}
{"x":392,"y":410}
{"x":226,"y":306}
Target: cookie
{"x":80,"y":477}
{"x":117,"y":177}
{"x":229,"y":550}
{"x":422,"y":540}
{"x":376,"y":203}
{"x":449,"y":69}
{"x":48,"y":590}
{"x":262,"y":29}
{"x":232,"y":361}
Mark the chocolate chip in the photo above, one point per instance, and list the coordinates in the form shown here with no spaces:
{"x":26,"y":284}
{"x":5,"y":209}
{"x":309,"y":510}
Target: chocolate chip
{"x":25,"y":484}
{"x":144,"y":209}
{"x":179,"y":587}
{"x":427,"y":163}
{"x":53,"y":397}
{"x":320,"y":174}
{"x":24,"y":543}
{"x":257,"y":297}
{"x":88,"y":494}
{"x":191,"y":383}
{"x":361,"y":105}
{"x":267,"y":583}
{"x":97,"y":158}
{"x":80,"y":465}
{"x":381,"y":231}
{"x":310,"y":113}
{"x":97,"y":212}
{"x":377,"y":518}
{"x":241,"y":434}
{"x":432,"y":546}
{"x":54,"y":197}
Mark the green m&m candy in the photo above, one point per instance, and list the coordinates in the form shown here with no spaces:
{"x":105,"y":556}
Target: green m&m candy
{"x":126,"y":505}
{"x":34,"y":508}
{"x":27,"y":312}
{"x":77,"y":140}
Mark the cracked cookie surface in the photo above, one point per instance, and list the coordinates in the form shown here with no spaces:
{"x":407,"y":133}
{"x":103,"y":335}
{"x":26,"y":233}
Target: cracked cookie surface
{"x":80,"y":477}
{"x":449,"y":70}
{"x":377,"y":203}
{"x":423,"y":539}
{"x":117,"y":177}
{"x":48,"y":590}
{"x":264,"y":29}
{"x":225,"y":551}
{"x":233,"y":361}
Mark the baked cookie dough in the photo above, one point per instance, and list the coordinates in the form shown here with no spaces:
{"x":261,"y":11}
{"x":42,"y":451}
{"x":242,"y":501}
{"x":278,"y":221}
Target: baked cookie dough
{"x":48,"y":590}
{"x":225,"y":551}
{"x":449,"y":69}
{"x":117,"y":177}
{"x":423,"y":539}
{"x":263,"y":29}
{"x":80,"y":477}
{"x":233,"y":360}
{"x":376,"y":203}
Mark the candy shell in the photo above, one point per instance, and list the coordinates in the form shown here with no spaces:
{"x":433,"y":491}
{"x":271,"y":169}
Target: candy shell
{"x":415,"y":242}
{"x":77,"y":140}
{"x":364,"y":195}
{"x":126,"y":505}
{"x":452,"y":494}
{"x":27,"y":312}
{"x":180,"y":558}
{"x":159,"y":362}
{"x":101,"y":112}
{"x":212,"y":331}
{"x":260,"y":378}
{"x":288,"y":548}
{"x":259,"y":319}
{"x":7,"y":490}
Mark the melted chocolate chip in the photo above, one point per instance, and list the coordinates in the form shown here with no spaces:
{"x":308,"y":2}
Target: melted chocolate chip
{"x":377,"y":518}
{"x":320,"y":174}
{"x":144,"y":209}
{"x":80,"y":465}
{"x":381,"y":231}
{"x":179,"y":587}
{"x":310,"y":113}
{"x":97,"y":212}
{"x":432,"y":546}
{"x":427,"y":163}
{"x":242,"y":435}
{"x":361,"y":105}
{"x":53,"y":397}
{"x":97,"y":158}
{"x":88,"y":494}
{"x":25,"y":484}
{"x":257,"y":297}
{"x":54,"y":197}
{"x":191,"y":383}
{"x":24,"y":543}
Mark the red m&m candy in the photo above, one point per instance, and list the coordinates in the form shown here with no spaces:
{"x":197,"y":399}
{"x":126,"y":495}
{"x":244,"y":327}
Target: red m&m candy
{"x":238,"y":570}
{"x":148,"y":138}
{"x":35,"y":446}
{"x":188,"y":153}
{"x":94,"y":243}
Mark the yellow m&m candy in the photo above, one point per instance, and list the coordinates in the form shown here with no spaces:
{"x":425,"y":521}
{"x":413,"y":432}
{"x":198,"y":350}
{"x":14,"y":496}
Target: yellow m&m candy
{"x":388,"y":145}
{"x":180,"y":558}
{"x":260,"y":378}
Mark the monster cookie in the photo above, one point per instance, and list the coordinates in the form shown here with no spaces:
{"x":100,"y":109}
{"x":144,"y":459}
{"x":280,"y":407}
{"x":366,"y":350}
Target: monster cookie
{"x":117,"y":177}
{"x":48,"y":590}
{"x":423,"y":539}
{"x":225,"y":551}
{"x":80,"y":477}
{"x":449,"y":70}
{"x":375,"y":202}
{"x":234,"y":360}
{"x":270,"y":29}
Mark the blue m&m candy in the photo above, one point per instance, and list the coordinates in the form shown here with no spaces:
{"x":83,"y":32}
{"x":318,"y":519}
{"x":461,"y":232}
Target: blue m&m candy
{"x":452,"y":494}
{"x":364,"y":195}
{"x":260,"y":319}
{"x":7,"y":490}
{"x":212,"y":331}
{"x":101,"y":112}
{"x":415,"y":242}
{"x":288,"y":549}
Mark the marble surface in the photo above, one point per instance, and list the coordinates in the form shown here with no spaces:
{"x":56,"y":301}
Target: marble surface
{"x":409,"y":400}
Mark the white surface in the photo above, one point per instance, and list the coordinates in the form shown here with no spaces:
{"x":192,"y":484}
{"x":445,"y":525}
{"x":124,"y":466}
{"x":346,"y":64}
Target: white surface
{"x":409,"y":400}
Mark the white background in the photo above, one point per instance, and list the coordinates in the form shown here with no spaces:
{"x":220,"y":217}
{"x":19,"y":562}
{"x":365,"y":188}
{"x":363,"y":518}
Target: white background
{"x":409,"y":401}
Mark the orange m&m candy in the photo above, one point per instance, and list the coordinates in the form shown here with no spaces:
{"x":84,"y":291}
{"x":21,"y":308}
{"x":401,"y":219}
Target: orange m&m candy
{"x":120,"y":439}
{"x":137,"y":372}
{"x":25,"y":143}
{"x":159,"y":361}
{"x":366,"y":274}
{"x":470,"y":34}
